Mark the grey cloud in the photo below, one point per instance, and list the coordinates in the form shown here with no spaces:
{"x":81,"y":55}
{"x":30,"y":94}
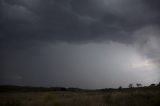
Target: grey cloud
{"x":74,"y":20}
{"x":147,"y":39}
{"x":53,"y":23}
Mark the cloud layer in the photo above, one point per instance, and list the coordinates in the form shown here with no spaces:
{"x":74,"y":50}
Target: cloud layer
{"x":76,"y":20}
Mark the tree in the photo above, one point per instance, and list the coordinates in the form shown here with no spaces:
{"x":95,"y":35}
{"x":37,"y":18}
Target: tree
{"x":152,"y":85}
{"x":130,"y":86}
{"x":139,"y":85}
{"x":120,"y":88}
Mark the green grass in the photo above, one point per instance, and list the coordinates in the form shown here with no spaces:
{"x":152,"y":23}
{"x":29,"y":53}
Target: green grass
{"x":136,"y":97}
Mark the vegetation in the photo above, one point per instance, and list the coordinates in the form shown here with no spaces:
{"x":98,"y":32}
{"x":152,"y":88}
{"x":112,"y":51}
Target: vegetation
{"x":140,"y":96}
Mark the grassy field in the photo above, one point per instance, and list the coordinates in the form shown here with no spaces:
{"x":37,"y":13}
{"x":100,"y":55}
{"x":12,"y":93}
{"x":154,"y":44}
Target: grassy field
{"x":125,"y":97}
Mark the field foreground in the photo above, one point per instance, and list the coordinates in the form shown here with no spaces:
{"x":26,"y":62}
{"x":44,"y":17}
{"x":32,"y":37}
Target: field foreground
{"x":136,"y":97}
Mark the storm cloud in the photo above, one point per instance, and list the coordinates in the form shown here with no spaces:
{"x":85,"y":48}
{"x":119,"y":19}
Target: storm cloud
{"x":57,"y":42}
{"x":76,"y":20}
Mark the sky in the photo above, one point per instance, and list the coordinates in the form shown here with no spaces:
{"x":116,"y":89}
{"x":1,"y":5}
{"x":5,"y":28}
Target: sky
{"x":79,"y":43}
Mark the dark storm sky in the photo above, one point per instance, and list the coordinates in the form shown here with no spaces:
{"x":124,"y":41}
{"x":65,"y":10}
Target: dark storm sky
{"x":79,"y":43}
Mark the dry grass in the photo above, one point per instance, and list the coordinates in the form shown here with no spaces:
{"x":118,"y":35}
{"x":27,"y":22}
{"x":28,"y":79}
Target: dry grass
{"x":59,"y":98}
